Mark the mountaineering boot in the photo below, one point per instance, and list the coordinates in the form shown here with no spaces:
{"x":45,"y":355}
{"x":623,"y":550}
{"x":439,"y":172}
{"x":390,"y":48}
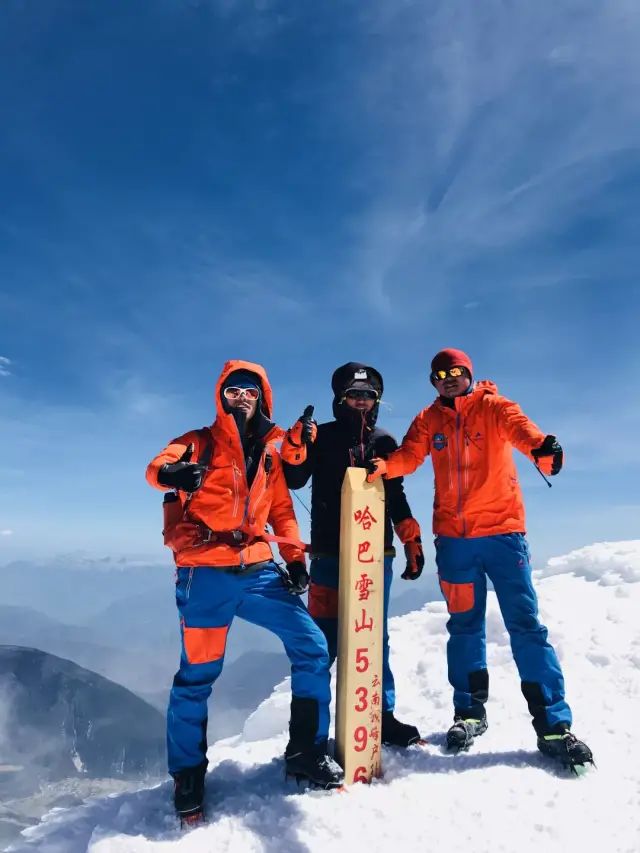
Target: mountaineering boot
{"x":395,"y":733}
{"x":188,"y":794}
{"x":565,"y":748}
{"x":304,"y":758}
{"x":315,"y":766}
{"x":463,"y":732}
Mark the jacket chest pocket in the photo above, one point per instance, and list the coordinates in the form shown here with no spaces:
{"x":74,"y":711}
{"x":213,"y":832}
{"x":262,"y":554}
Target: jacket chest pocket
{"x":261,"y":484}
{"x":473,"y":442}
{"x":443,"y":455}
{"x":220,"y":502}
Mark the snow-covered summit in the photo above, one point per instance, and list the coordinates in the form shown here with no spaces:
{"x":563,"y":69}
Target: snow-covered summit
{"x":502,"y":796}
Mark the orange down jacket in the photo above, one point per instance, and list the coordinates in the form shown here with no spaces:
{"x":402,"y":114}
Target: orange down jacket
{"x":476,"y":483}
{"x":225,"y":502}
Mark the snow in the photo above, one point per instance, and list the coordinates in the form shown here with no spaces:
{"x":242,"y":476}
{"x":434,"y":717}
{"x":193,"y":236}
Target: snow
{"x":501,"y":796}
{"x":77,"y":761}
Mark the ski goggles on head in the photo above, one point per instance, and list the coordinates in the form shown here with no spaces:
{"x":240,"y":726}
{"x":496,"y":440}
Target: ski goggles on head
{"x":453,"y":372}
{"x":233,"y":393}
{"x":361,"y":394}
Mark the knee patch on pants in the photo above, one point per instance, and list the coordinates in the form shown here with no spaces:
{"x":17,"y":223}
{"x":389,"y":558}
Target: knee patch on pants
{"x":323,"y":601}
{"x":460,"y":597}
{"x":204,"y":645}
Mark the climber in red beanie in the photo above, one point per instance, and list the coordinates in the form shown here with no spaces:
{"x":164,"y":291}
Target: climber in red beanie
{"x":479,"y":522}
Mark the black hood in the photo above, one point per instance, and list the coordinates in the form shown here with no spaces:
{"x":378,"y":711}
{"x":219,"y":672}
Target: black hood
{"x":360,"y":375}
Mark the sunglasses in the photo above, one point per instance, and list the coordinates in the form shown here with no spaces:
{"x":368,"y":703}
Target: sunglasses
{"x":453,"y":372}
{"x":361,"y":394}
{"x":232,"y":393}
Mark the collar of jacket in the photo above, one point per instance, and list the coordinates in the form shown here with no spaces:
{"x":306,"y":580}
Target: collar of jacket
{"x":464,"y":402}
{"x":349,"y":423}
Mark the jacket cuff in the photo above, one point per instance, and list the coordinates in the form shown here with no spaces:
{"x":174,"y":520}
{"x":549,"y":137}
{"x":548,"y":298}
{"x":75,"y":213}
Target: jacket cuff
{"x":293,"y":454}
{"x":153,"y":469}
{"x":407,"y":530}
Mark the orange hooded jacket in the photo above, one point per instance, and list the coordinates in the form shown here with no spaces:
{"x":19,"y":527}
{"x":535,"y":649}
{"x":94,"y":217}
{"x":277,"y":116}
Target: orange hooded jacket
{"x":476,"y":483}
{"x":225,"y":502}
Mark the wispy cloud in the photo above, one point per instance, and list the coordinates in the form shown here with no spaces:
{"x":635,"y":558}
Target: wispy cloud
{"x":6,"y":532}
{"x":505,"y":127}
{"x":403,"y":177}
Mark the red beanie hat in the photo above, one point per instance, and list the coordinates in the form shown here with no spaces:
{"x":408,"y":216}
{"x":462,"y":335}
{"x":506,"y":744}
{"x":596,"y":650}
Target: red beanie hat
{"x":447,"y":358}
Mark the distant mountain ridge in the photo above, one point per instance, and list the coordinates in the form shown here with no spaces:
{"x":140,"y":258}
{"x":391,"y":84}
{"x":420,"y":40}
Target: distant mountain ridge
{"x":501,"y":795}
{"x":60,"y":720}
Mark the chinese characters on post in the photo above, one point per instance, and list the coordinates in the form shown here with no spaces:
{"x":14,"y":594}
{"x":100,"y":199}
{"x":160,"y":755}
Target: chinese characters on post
{"x":358,"y":700}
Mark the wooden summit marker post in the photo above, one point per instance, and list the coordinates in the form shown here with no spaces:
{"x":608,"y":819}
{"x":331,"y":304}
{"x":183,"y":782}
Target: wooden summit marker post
{"x":360,"y":616}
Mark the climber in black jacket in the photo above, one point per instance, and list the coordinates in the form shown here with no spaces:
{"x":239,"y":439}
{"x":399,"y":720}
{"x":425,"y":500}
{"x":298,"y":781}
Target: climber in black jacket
{"x":324,"y":453}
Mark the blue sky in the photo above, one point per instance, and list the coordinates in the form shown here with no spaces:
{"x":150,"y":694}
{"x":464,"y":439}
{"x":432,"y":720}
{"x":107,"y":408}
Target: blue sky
{"x":302,"y":184}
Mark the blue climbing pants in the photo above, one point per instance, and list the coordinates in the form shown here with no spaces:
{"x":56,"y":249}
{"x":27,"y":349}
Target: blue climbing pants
{"x":463,"y":568}
{"x":323,"y":606}
{"x":208,"y":599}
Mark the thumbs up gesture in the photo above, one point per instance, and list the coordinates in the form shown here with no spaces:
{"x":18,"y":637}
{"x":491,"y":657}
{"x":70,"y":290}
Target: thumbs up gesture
{"x":305,"y":429}
{"x":309,"y":426}
{"x":183,"y":474}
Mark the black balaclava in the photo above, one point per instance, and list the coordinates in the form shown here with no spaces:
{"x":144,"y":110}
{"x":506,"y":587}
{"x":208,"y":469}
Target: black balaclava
{"x":359,"y":424}
{"x":253,"y":431}
{"x":242,"y":379}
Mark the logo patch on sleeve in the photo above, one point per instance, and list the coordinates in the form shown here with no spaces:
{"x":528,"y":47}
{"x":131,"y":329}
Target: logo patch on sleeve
{"x":439,"y":441}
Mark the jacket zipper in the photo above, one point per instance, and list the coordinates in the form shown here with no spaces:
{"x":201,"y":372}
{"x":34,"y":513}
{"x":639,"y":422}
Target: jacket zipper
{"x":236,"y":490}
{"x":466,"y":462}
{"x":458,"y":443}
{"x":263,"y":488}
{"x":237,"y":474}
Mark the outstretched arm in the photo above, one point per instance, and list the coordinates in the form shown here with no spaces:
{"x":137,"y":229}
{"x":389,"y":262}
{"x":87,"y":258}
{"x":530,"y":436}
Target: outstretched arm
{"x":415,"y":447}
{"x":543,"y":450}
{"x":516,"y":427}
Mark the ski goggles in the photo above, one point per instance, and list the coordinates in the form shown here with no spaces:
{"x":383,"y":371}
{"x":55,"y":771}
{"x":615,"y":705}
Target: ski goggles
{"x":361,"y":394}
{"x":233,"y":393}
{"x":452,"y":372}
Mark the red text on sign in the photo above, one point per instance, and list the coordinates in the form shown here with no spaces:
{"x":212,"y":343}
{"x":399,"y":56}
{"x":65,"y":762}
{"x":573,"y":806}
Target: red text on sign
{"x":363,"y":548}
{"x":364,"y":625}
{"x":362,"y":586}
{"x":364,"y":517}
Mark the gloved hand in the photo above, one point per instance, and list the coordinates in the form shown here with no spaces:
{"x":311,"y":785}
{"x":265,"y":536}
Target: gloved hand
{"x":415,"y":560}
{"x":408,"y":531}
{"x":296,"y":577}
{"x":376,"y":468}
{"x":183,"y":474}
{"x":549,"y":456}
{"x":302,"y":433}
{"x":305,"y":429}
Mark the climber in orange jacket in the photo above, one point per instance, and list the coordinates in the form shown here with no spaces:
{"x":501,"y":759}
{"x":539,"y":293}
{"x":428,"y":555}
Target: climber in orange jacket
{"x":227,"y":484}
{"x":243,"y":489}
{"x":479,"y":522}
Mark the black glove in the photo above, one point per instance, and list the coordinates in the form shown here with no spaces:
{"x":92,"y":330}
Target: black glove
{"x":305,"y":429}
{"x":296,"y":577}
{"x":549,"y":447}
{"x":183,"y":474}
{"x":415,"y":560}
{"x":309,"y":426}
